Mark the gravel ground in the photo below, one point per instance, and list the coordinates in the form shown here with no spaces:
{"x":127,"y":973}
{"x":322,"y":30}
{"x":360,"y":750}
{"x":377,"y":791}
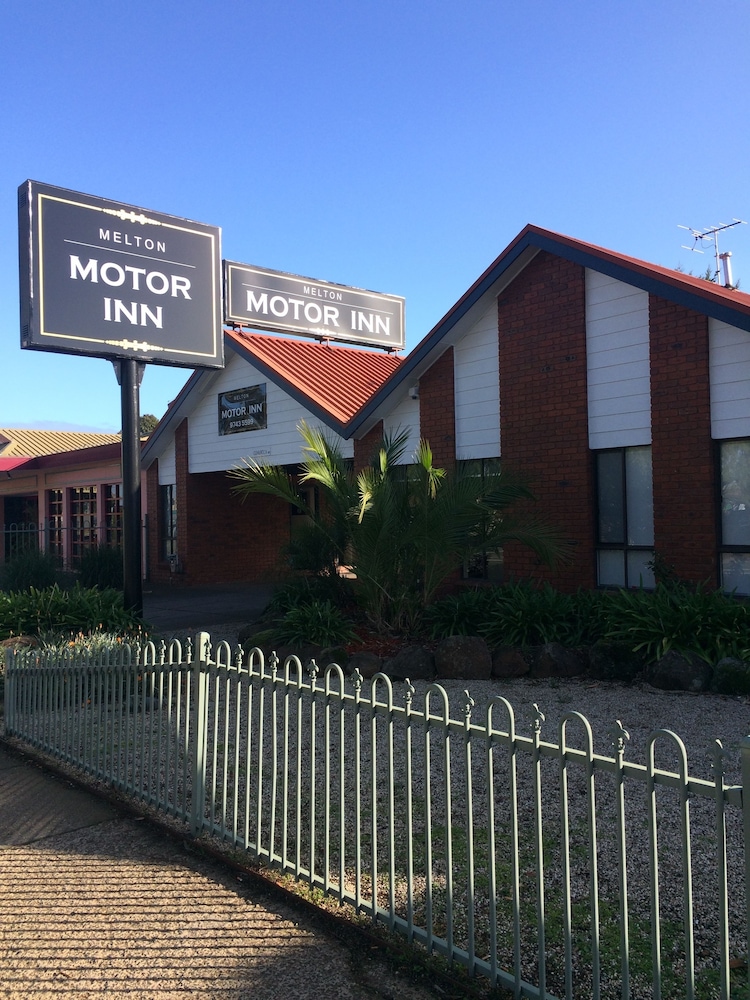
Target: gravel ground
{"x":699,"y":720}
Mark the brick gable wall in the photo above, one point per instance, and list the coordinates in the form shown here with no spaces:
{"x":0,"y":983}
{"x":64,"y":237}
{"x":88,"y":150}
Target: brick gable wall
{"x":682,"y":450}
{"x":364,"y":447}
{"x":544,"y":411}
{"x":437,"y":410}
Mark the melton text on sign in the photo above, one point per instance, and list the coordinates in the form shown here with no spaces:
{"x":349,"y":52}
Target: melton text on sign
{"x":288,"y":303}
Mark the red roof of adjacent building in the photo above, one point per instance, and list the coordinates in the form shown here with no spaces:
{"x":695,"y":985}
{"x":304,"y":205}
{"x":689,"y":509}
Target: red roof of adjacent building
{"x":6,"y":464}
{"x":338,"y":379}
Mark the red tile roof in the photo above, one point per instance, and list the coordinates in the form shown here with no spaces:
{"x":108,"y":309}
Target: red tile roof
{"x":338,"y":379}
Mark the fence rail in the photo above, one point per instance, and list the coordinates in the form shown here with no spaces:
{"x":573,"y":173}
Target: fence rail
{"x":548,"y":868}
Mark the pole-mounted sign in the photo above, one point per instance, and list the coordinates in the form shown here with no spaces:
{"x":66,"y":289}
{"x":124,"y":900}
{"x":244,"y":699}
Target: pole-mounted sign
{"x":110,"y":280}
{"x":288,"y":303}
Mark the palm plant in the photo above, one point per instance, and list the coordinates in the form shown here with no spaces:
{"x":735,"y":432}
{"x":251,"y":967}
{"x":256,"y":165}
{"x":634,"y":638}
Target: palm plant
{"x":403,"y":528}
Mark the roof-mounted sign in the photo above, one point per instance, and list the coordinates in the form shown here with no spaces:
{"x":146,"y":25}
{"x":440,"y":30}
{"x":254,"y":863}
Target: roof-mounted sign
{"x":110,"y":280}
{"x":288,"y":303}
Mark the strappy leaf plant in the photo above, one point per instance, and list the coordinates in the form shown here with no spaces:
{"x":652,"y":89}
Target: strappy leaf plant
{"x":403,"y":529}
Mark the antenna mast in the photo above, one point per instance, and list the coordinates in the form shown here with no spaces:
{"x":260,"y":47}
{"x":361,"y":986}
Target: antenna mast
{"x":704,"y":237}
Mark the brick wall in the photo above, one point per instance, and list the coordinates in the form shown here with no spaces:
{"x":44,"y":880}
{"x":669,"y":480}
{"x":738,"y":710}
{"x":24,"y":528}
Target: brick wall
{"x":231,"y":540}
{"x":157,"y":569}
{"x":437,"y":410}
{"x":544,"y":411}
{"x":220,"y":539}
{"x":365,"y":448}
{"x":682,"y":450}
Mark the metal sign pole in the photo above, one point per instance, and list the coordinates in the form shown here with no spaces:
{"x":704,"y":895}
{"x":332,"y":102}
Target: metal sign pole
{"x":129,"y":375}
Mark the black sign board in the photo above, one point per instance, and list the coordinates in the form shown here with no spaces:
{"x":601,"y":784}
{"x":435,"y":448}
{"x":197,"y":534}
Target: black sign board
{"x":110,"y":280}
{"x":288,"y":303}
{"x":243,"y":410}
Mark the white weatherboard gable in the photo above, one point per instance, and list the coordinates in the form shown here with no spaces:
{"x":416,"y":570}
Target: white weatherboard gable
{"x":167,"y":473}
{"x":477,"y":389}
{"x":729,"y":372}
{"x":617,"y":363}
{"x":278,"y":444}
{"x":405,"y":417}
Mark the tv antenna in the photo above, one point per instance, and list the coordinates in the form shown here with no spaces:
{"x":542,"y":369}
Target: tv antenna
{"x":705,"y":237}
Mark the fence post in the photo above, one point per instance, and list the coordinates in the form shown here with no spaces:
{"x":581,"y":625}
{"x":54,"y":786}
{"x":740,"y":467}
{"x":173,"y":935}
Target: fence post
{"x":9,"y":695}
{"x":745,"y":754}
{"x":200,"y":712}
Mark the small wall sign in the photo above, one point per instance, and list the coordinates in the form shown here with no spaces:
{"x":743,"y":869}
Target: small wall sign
{"x":243,"y":410}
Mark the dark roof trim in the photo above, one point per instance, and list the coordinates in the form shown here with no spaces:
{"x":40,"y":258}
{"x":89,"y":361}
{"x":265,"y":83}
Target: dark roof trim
{"x":712,"y":301}
{"x":173,"y":411}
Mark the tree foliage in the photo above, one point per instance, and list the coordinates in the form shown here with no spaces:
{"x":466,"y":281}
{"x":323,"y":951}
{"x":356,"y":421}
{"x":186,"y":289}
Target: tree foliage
{"x":148,"y":424}
{"x":403,"y":529}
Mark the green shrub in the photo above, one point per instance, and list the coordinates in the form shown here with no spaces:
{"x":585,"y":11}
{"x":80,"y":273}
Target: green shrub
{"x":319,"y":622}
{"x":461,"y":614}
{"x":687,"y":620}
{"x":101,"y":567}
{"x":304,"y":590}
{"x":94,"y":641}
{"x":528,"y":615}
{"x":522,"y":614}
{"x":29,"y":568}
{"x":34,"y":612}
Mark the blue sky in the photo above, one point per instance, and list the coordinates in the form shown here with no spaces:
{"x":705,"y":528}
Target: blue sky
{"x":397,"y":146}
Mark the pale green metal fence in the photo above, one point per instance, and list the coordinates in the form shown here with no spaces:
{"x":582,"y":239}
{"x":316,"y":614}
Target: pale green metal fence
{"x":548,"y":868}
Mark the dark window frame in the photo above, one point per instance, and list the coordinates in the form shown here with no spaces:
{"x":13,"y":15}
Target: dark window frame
{"x":727,"y":550}
{"x":487,"y":565}
{"x":168,"y":515}
{"x":622,"y":516}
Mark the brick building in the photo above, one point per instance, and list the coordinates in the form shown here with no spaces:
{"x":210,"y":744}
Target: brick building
{"x":619,"y":388}
{"x":60,"y":491}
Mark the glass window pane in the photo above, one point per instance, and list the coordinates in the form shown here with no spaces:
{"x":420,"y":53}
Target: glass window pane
{"x":735,"y":493}
{"x":639,"y":573}
{"x":611,"y":568}
{"x":735,"y":572}
{"x":610,"y":496}
{"x":640,"y":496}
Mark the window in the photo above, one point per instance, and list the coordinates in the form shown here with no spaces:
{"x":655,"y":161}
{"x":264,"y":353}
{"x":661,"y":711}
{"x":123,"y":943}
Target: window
{"x":113,"y":515}
{"x":735,"y":516}
{"x":625,"y":521}
{"x":486,"y":564}
{"x":82,"y":521}
{"x":168,"y":513}
{"x":55,"y":523}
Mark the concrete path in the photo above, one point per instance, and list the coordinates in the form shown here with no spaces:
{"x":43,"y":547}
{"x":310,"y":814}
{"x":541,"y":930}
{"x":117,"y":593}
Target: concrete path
{"x":97,"y":903}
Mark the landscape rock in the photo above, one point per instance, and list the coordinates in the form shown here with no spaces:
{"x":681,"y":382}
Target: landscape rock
{"x":554,"y":660}
{"x":414,"y":662}
{"x":731,"y":676}
{"x":465,"y":657}
{"x":509,"y":662}
{"x":367,"y":662}
{"x":680,"y":672}
{"x":614,"y":661}
{"x":247,"y":634}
